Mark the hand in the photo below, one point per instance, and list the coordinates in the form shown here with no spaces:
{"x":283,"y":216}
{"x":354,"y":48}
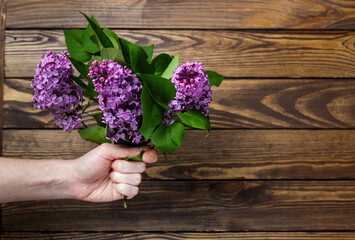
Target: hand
{"x":102,"y":176}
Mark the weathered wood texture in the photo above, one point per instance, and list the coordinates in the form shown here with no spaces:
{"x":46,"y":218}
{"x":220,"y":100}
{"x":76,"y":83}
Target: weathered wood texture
{"x":199,"y":206}
{"x":235,"y":54}
{"x":2,"y":66}
{"x":178,"y":236}
{"x":226,"y":14}
{"x":237,"y":103}
{"x":225,"y":154}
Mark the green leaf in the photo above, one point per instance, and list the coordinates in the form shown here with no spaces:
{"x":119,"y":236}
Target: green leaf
{"x":214,"y":78}
{"x":138,"y":158}
{"x":81,"y":67}
{"x":168,"y":138}
{"x":153,"y":114}
{"x":135,"y":55}
{"x":74,"y":42}
{"x":98,"y":118}
{"x":138,"y":58}
{"x":149,"y":51}
{"x":160,"y":63}
{"x":161,"y":89}
{"x":80,"y":83}
{"x":113,"y":37}
{"x":90,"y":45}
{"x":94,"y":134}
{"x":113,"y":54}
{"x":125,"y":49}
{"x":84,"y":71}
{"x":105,"y":41}
{"x":169,"y":71}
{"x":195,"y":119}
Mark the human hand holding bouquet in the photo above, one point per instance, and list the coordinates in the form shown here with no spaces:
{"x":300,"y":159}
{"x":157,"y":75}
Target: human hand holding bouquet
{"x":142,"y":100}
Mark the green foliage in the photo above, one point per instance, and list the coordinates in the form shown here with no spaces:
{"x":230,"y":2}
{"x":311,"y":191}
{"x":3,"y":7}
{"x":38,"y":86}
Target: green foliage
{"x":113,"y":37}
{"x":149,"y":50}
{"x":74,"y":42}
{"x":161,"y":89}
{"x":113,"y":54}
{"x":169,"y":71}
{"x":195,"y":119}
{"x":168,"y":138}
{"x":214,"y":78}
{"x":94,"y":134}
{"x":138,"y":158}
{"x":104,"y":40}
{"x":160,"y":63}
{"x":153,"y":114}
{"x":98,"y":118}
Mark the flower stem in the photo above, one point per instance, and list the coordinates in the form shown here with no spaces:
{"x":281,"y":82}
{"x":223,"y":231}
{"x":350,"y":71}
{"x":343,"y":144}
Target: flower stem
{"x":125,"y":201}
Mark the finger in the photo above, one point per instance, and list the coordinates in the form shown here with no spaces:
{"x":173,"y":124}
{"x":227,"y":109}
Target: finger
{"x":126,"y":190}
{"x":113,"y":152}
{"x":133,"y":179}
{"x":150,"y":156}
{"x":124,"y":166}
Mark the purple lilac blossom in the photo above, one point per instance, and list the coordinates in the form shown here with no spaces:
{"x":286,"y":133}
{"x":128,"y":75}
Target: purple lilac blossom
{"x":55,"y":90}
{"x":193,"y":90}
{"x":120,"y":99}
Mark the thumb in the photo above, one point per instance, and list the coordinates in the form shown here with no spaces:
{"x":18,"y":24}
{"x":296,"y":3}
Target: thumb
{"x":114,"y":152}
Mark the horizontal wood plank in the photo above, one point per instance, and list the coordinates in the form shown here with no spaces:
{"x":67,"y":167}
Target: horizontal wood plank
{"x":199,"y":206}
{"x":226,"y":14}
{"x":237,"y":103}
{"x":225,"y":154}
{"x":234,"y":54}
{"x":177,"y":236}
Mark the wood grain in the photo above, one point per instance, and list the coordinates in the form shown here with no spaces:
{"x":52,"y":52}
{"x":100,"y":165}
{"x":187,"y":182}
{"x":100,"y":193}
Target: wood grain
{"x":226,"y":14}
{"x":225,"y":154}
{"x":235,"y":54}
{"x":2,"y":74}
{"x":199,"y":206}
{"x":237,"y":103}
{"x":178,"y":235}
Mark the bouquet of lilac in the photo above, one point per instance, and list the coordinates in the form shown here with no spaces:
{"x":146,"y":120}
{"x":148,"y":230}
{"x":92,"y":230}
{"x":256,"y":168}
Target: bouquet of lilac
{"x":140,"y":99}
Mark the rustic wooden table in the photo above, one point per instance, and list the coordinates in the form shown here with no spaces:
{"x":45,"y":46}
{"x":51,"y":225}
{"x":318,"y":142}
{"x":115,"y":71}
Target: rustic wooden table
{"x":280,"y":161}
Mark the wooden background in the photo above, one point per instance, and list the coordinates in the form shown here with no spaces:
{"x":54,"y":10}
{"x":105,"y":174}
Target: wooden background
{"x":280,"y":161}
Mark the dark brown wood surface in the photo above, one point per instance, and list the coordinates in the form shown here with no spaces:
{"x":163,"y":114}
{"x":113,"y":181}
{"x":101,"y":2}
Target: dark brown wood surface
{"x":199,"y":206}
{"x":225,"y":154}
{"x":237,"y":103}
{"x":226,"y":14}
{"x":280,"y":161}
{"x":262,"y":54}
{"x":178,"y":236}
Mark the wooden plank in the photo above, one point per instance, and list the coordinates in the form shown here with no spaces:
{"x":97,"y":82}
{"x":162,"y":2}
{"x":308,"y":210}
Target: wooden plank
{"x":226,"y":14}
{"x":183,"y":235}
{"x":225,"y":154}
{"x":235,"y":53}
{"x":2,"y":73}
{"x":199,"y":206}
{"x":237,"y":103}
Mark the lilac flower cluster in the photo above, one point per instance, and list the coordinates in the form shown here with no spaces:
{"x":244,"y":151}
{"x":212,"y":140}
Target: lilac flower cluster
{"x":120,"y":99}
{"x":54,"y":89}
{"x":193,"y":90}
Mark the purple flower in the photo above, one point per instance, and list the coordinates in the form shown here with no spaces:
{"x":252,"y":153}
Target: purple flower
{"x":193,"y":90}
{"x":55,"y":90}
{"x":120,"y":99}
